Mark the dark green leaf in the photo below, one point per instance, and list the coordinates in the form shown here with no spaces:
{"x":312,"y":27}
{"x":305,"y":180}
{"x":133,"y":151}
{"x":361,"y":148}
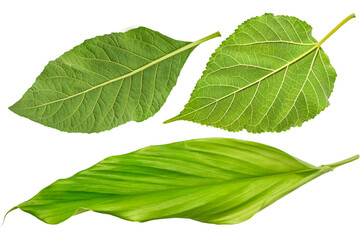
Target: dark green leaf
{"x":106,"y":81}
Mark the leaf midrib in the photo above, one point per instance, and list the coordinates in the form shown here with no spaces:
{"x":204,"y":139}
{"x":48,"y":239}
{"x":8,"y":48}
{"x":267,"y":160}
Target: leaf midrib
{"x":115,"y":79}
{"x":317,"y":45}
{"x":320,"y":170}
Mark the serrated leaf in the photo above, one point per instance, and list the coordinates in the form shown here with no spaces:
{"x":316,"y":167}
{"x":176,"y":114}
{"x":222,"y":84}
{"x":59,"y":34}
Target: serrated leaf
{"x":107,"y":81}
{"x":213,"y":180}
{"x":269,"y":75}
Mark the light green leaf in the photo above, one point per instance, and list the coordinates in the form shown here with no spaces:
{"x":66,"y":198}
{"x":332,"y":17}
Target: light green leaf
{"x":269,"y":75}
{"x":107,"y":81}
{"x":213,"y":180}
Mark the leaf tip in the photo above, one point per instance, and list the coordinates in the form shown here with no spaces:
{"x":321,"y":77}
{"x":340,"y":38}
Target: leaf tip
{"x":169,"y":120}
{"x":13,"y":108}
{"x":12,"y":209}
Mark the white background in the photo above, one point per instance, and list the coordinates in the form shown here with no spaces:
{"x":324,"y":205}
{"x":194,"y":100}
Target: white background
{"x":33,"y":156}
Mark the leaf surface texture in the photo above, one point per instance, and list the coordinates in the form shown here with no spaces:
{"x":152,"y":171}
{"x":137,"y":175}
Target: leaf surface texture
{"x":214,"y":180}
{"x":269,"y":75}
{"x":106,"y":81}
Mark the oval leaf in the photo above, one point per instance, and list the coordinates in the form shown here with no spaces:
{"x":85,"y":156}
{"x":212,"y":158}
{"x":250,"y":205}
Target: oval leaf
{"x":107,"y":81}
{"x":215,"y":180}
{"x":269,"y":75}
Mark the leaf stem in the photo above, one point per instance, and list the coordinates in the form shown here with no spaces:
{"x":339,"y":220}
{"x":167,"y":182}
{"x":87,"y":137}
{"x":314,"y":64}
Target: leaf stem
{"x":340,"y":163}
{"x":214,"y":35}
{"x":336,"y":28}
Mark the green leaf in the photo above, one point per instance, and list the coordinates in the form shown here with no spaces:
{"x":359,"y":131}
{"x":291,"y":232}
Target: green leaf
{"x":213,"y":180}
{"x":107,"y":81}
{"x":269,"y":75}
